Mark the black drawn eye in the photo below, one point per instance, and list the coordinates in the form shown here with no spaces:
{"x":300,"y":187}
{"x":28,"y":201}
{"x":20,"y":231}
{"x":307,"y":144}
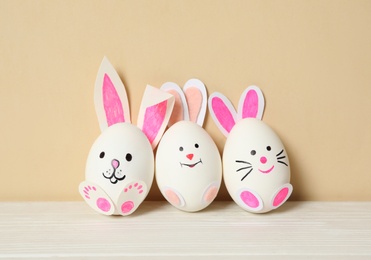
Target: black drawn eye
{"x":269,"y":148}
{"x":102,"y":154}
{"x":128,"y":157}
{"x":253,"y":152}
{"x":196,"y":145}
{"x":181,"y":149}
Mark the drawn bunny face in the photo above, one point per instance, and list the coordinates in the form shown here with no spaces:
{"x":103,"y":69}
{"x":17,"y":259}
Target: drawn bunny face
{"x":115,"y":158}
{"x":120,"y":165}
{"x":255,"y":164}
{"x":259,"y":152}
{"x":188,"y":152}
{"x":188,"y":164}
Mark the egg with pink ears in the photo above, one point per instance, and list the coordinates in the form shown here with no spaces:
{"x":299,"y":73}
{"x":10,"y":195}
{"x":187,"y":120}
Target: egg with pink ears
{"x":256,"y":168}
{"x":120,"y":166}
{"x":188,"y":163}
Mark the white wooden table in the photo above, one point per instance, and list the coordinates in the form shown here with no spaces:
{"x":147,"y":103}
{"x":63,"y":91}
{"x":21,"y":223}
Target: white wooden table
{"x":310,"y":230}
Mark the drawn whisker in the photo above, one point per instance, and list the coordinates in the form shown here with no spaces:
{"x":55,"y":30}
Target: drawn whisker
{"x":246,"y":174}
{"x":282,"y":157}
{"x":279,"y":153}
{"x":243,"y":168}
{"x":239,"y":161}
{"x":282,"y":162}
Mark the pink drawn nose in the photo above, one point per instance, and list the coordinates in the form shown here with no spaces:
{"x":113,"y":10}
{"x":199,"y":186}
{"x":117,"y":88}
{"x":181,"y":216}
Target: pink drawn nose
{"x":189,"y":156}
{"x":115,"y":163}
{"x":263,"y":159}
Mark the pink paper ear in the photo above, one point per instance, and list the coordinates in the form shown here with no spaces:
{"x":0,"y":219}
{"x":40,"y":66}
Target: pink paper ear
{"x":194,"y":101}
{"x":154,"y":117}
{"x":180,"y":109}
{"x":222,"y":112}
{"x":111,"y":102}
{"x":154,"y":113}
{"x":196,"y":96}
{"x":178,"y":113}
{"x":251,"y":103}
{"x":110,"y":99}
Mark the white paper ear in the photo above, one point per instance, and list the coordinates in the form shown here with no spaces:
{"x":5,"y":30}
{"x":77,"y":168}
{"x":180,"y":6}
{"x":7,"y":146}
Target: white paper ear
{"x":154,"y":113}
{"x":196,"y":96}
{"x":180,"y":110}
{"x":222,"y":112}
{"x":251,"y":103}
{"x":111,"y":102}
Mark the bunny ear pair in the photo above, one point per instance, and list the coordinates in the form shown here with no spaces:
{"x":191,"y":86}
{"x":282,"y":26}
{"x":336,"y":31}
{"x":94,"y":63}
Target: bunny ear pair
{"x":251,"y":105}
{"x":190,"y":103}
{"x":112,"y":105}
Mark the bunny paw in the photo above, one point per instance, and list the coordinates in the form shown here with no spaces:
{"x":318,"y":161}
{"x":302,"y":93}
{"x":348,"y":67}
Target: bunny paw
{"x":281,"y":195}
{"x":131,"y":197}
{"x":250,"y":200}
{"x":96,"y":198}
{"x":210,"y":193}
{"x":173,"y":197}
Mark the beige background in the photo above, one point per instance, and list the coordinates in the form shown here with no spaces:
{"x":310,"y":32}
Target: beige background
{"x":312,"y":60}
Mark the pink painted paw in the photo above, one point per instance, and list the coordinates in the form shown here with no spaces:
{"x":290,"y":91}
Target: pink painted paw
{"x":131,"y":197}
{"x":210,"y":194}
{"x":174,"y":197}
{"x":251,"y":201}
{"x":96,"y":198}
{"x":281,"y":195}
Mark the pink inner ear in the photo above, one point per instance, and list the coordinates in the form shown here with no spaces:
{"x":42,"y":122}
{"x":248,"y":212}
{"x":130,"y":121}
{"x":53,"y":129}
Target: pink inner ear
{"x":153,"y":119}
{"x":223,"y":114}
{"x":250,"y":105}
{"x":112,"y":103}
{"x":177,"y":114}
{"x":194,"y":100}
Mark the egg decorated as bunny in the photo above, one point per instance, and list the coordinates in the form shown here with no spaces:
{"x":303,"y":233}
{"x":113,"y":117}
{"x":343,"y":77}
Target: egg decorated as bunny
{"x":256,"y":167}
{"x":120,"y":166}
{"x":188,"y":163}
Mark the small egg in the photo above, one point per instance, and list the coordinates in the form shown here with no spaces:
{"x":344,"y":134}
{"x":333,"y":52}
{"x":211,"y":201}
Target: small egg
{"x":256,"y":167}
{"x":188,"y":167}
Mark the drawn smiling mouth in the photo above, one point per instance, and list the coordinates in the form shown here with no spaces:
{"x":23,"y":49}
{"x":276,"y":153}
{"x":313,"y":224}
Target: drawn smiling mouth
{"x":190,"y":165}
{"x":113,"y":177}
{"x":267,"y":171}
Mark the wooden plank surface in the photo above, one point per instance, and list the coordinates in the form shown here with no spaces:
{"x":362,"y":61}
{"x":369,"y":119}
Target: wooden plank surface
{"x":333,"y":230}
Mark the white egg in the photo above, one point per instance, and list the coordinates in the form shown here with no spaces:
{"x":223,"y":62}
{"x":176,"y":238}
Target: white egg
{"x":188,"y":167}
{"x":119,"y":156}
{"x":120,"y":166}
{"x":256,"y":168}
